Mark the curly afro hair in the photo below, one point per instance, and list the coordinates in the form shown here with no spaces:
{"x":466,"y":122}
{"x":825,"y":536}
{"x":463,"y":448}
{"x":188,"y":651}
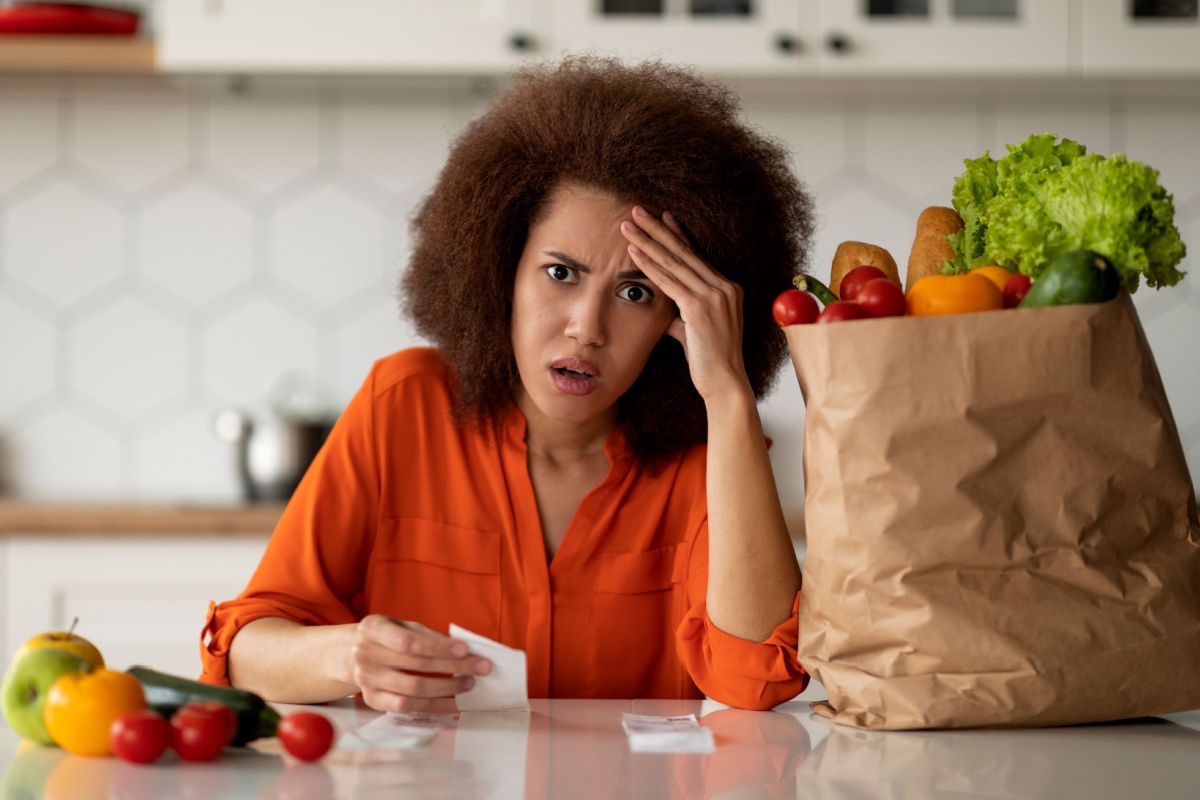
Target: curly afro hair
{"x":651,"y":134}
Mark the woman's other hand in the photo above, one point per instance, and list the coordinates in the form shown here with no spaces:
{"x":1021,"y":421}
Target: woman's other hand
{"x":402,"y":666}
{"x":710,"y":307}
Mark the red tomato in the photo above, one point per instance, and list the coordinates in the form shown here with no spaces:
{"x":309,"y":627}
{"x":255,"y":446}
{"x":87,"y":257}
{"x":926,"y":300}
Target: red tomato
{"x":857,"y":278}
{"x":842,"y":309}
{"x":1015,"y":289}
{"x":139,"y":736}
{"x":882,"y":298}
{"x":305,"y":735}
{"x":200,"y":731}
{"x":794,"y":307}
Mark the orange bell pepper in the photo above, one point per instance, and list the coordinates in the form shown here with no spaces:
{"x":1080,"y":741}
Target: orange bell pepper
{"x":997,"y":275}
{"x":953,"y":294}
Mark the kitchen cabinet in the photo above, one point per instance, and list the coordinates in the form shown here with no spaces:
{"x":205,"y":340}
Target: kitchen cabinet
{"x":750,"y":37}
{"x":139,"y":600}
{"x":945,"y":37}
{"x":361,"y":36}
{"x":740,"y":38}
{"x":138,"y":577}
{"x":1120,"y":38}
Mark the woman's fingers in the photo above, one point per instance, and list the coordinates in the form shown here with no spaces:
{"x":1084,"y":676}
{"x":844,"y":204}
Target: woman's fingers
{"x":667,"y":245}
{"x":379,"y":678}
{"x":411,"y":645}
{"x":402,"y":666}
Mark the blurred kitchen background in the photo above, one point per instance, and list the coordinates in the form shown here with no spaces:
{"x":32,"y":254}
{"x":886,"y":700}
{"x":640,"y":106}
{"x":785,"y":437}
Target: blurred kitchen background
{"x":215,"y":216}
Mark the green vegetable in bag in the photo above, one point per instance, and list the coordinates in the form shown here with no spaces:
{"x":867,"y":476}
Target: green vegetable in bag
{"x":1045,"y":198}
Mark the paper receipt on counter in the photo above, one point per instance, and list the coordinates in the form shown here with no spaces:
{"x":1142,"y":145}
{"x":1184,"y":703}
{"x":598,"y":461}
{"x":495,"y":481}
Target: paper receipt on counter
{"x":505,"y":687}
{"x":682,"y":734}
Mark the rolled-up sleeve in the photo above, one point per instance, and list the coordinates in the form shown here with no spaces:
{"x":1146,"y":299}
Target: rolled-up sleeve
{"x":731,"y":670}
{"x":313,"y":566}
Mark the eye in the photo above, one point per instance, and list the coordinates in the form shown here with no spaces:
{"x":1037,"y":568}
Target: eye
{"x":561,"y":273}
{"x":636,"y":293}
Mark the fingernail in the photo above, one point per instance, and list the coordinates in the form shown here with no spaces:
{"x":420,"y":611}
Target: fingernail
{"x":468,"y":682}
{"x":482,"y":667}
{"x":628,"y":226}
{"x":635,"y":250}
{"x":458,"y":649}
{"x":638,"y":211}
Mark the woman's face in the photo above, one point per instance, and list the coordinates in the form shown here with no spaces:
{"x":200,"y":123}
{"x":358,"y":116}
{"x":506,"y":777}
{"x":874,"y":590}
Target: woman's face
{"x":584,"y":317}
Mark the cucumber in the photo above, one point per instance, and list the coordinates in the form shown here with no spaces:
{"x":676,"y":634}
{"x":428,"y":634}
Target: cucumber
{"x":1077,"y":276}
{"x":166,"y":694}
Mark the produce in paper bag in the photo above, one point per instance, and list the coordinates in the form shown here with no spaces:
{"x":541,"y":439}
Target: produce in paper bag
{"x":1002,"y":530}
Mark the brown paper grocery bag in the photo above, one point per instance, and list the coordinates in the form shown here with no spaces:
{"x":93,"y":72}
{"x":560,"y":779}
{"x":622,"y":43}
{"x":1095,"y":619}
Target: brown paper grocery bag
{"x":1001,"y":526}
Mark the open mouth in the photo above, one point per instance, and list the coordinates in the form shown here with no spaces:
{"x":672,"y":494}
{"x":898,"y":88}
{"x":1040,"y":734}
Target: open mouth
{"x":575,"y":376}
{"x":578,"y":374}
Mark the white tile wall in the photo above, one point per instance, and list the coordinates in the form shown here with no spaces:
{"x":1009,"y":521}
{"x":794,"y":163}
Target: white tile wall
{"x":167,"y":251}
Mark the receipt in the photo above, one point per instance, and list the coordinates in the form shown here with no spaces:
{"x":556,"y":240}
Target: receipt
{"x":396,"y":731}
{"x":502,"y":689}
{"x":682,"y":734}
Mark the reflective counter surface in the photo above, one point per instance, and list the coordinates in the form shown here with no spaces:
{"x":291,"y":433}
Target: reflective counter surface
{"x":577,"y":749}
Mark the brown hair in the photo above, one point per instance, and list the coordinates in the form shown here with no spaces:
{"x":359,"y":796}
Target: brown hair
{"x":651,"y":134}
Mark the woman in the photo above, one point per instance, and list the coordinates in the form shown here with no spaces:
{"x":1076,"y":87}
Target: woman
{"x":578,"y":470}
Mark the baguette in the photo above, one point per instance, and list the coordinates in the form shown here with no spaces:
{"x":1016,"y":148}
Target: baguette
{"x":930,"y":250}
{"x":857,"y":254}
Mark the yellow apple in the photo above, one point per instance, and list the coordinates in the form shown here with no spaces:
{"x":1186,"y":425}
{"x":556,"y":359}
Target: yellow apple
{"x":63,"y":640}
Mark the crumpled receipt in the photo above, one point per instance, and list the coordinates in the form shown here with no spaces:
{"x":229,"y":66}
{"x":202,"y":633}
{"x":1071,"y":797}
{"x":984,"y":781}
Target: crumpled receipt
{"x":505,"y":688}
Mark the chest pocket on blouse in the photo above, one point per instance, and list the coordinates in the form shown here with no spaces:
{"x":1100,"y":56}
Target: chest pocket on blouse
{"x":637,"y":604}
{"x":435,"y":573}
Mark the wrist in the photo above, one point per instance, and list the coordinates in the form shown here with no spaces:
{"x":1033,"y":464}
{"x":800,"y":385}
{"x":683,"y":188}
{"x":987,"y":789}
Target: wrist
{"x":736,"y":398}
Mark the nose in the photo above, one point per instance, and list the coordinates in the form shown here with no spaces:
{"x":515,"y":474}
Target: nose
{"x":588,"y":319}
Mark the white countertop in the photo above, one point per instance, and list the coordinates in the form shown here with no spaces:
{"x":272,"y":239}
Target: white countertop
{"x":576,"y":749}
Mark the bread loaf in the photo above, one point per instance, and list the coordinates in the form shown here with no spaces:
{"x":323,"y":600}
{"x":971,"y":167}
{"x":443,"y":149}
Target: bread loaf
{"x":858,"y":254}
{"x":930,"y":250}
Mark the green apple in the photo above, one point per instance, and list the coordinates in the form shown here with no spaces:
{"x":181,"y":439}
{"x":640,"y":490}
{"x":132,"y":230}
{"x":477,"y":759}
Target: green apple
{"x":26,"y":683}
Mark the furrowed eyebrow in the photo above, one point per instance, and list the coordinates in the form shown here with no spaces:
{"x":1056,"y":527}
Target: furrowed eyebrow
{"x":575,"y":264}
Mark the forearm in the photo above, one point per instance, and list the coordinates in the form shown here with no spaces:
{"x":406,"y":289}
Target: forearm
{"x":753,"y":575}
{"x":286,"y":662}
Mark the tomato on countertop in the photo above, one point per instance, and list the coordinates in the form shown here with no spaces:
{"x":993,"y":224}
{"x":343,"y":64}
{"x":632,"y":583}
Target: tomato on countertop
{"x":306,"y":735}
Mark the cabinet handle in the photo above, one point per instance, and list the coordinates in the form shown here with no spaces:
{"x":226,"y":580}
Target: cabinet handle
{"x":786,"y":43}
{"x":838,"y":43}
{"x":520,"y":42}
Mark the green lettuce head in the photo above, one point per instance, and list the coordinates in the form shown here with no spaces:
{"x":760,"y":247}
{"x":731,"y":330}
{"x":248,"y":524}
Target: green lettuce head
{"x":1045,"y":198}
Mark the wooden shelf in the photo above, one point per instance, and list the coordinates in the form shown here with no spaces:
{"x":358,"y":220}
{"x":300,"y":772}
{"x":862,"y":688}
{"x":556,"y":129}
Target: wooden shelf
{"x":134,"y":519}
{"x":83,"y":54}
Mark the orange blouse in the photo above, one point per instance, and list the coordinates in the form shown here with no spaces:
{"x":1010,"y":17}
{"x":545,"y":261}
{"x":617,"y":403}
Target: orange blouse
{"x":403,"y":513}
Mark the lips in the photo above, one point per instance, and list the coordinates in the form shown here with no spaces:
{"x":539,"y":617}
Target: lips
{"x":576,"y":368}
{"x":574,"y":376}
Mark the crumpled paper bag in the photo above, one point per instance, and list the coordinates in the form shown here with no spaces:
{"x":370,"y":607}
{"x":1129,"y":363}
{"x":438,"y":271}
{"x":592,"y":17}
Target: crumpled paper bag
{"x":1002,"y":530}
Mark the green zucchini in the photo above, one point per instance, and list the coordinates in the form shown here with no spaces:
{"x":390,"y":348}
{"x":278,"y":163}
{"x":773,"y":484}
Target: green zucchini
{"x":166,"y":694}
{"x":1077,"y":276}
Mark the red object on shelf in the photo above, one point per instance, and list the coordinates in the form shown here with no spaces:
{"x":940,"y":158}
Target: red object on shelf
{"x":48,"y":19}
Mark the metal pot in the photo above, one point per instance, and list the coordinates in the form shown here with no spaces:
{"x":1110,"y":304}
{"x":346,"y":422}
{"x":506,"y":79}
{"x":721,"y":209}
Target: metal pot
{"x":272,"y":452}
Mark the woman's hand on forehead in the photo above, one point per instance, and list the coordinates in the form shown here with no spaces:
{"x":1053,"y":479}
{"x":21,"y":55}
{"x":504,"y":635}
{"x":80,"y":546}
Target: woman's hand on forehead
{"x":710,"y":307}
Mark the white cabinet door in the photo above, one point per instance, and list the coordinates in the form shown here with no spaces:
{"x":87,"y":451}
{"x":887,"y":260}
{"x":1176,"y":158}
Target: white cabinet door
{"x":344,"y":36}
{"x":140,"y":601}
{"x":945,"y":37}
{"x":745,"y":37}
{"x":1123,"y":38}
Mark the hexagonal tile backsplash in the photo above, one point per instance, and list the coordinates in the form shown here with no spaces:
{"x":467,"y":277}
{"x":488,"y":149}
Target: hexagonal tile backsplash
{"x":168,"y":251}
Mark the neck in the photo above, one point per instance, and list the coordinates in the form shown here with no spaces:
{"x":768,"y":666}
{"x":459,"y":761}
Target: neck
{"x":564,"y":442}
